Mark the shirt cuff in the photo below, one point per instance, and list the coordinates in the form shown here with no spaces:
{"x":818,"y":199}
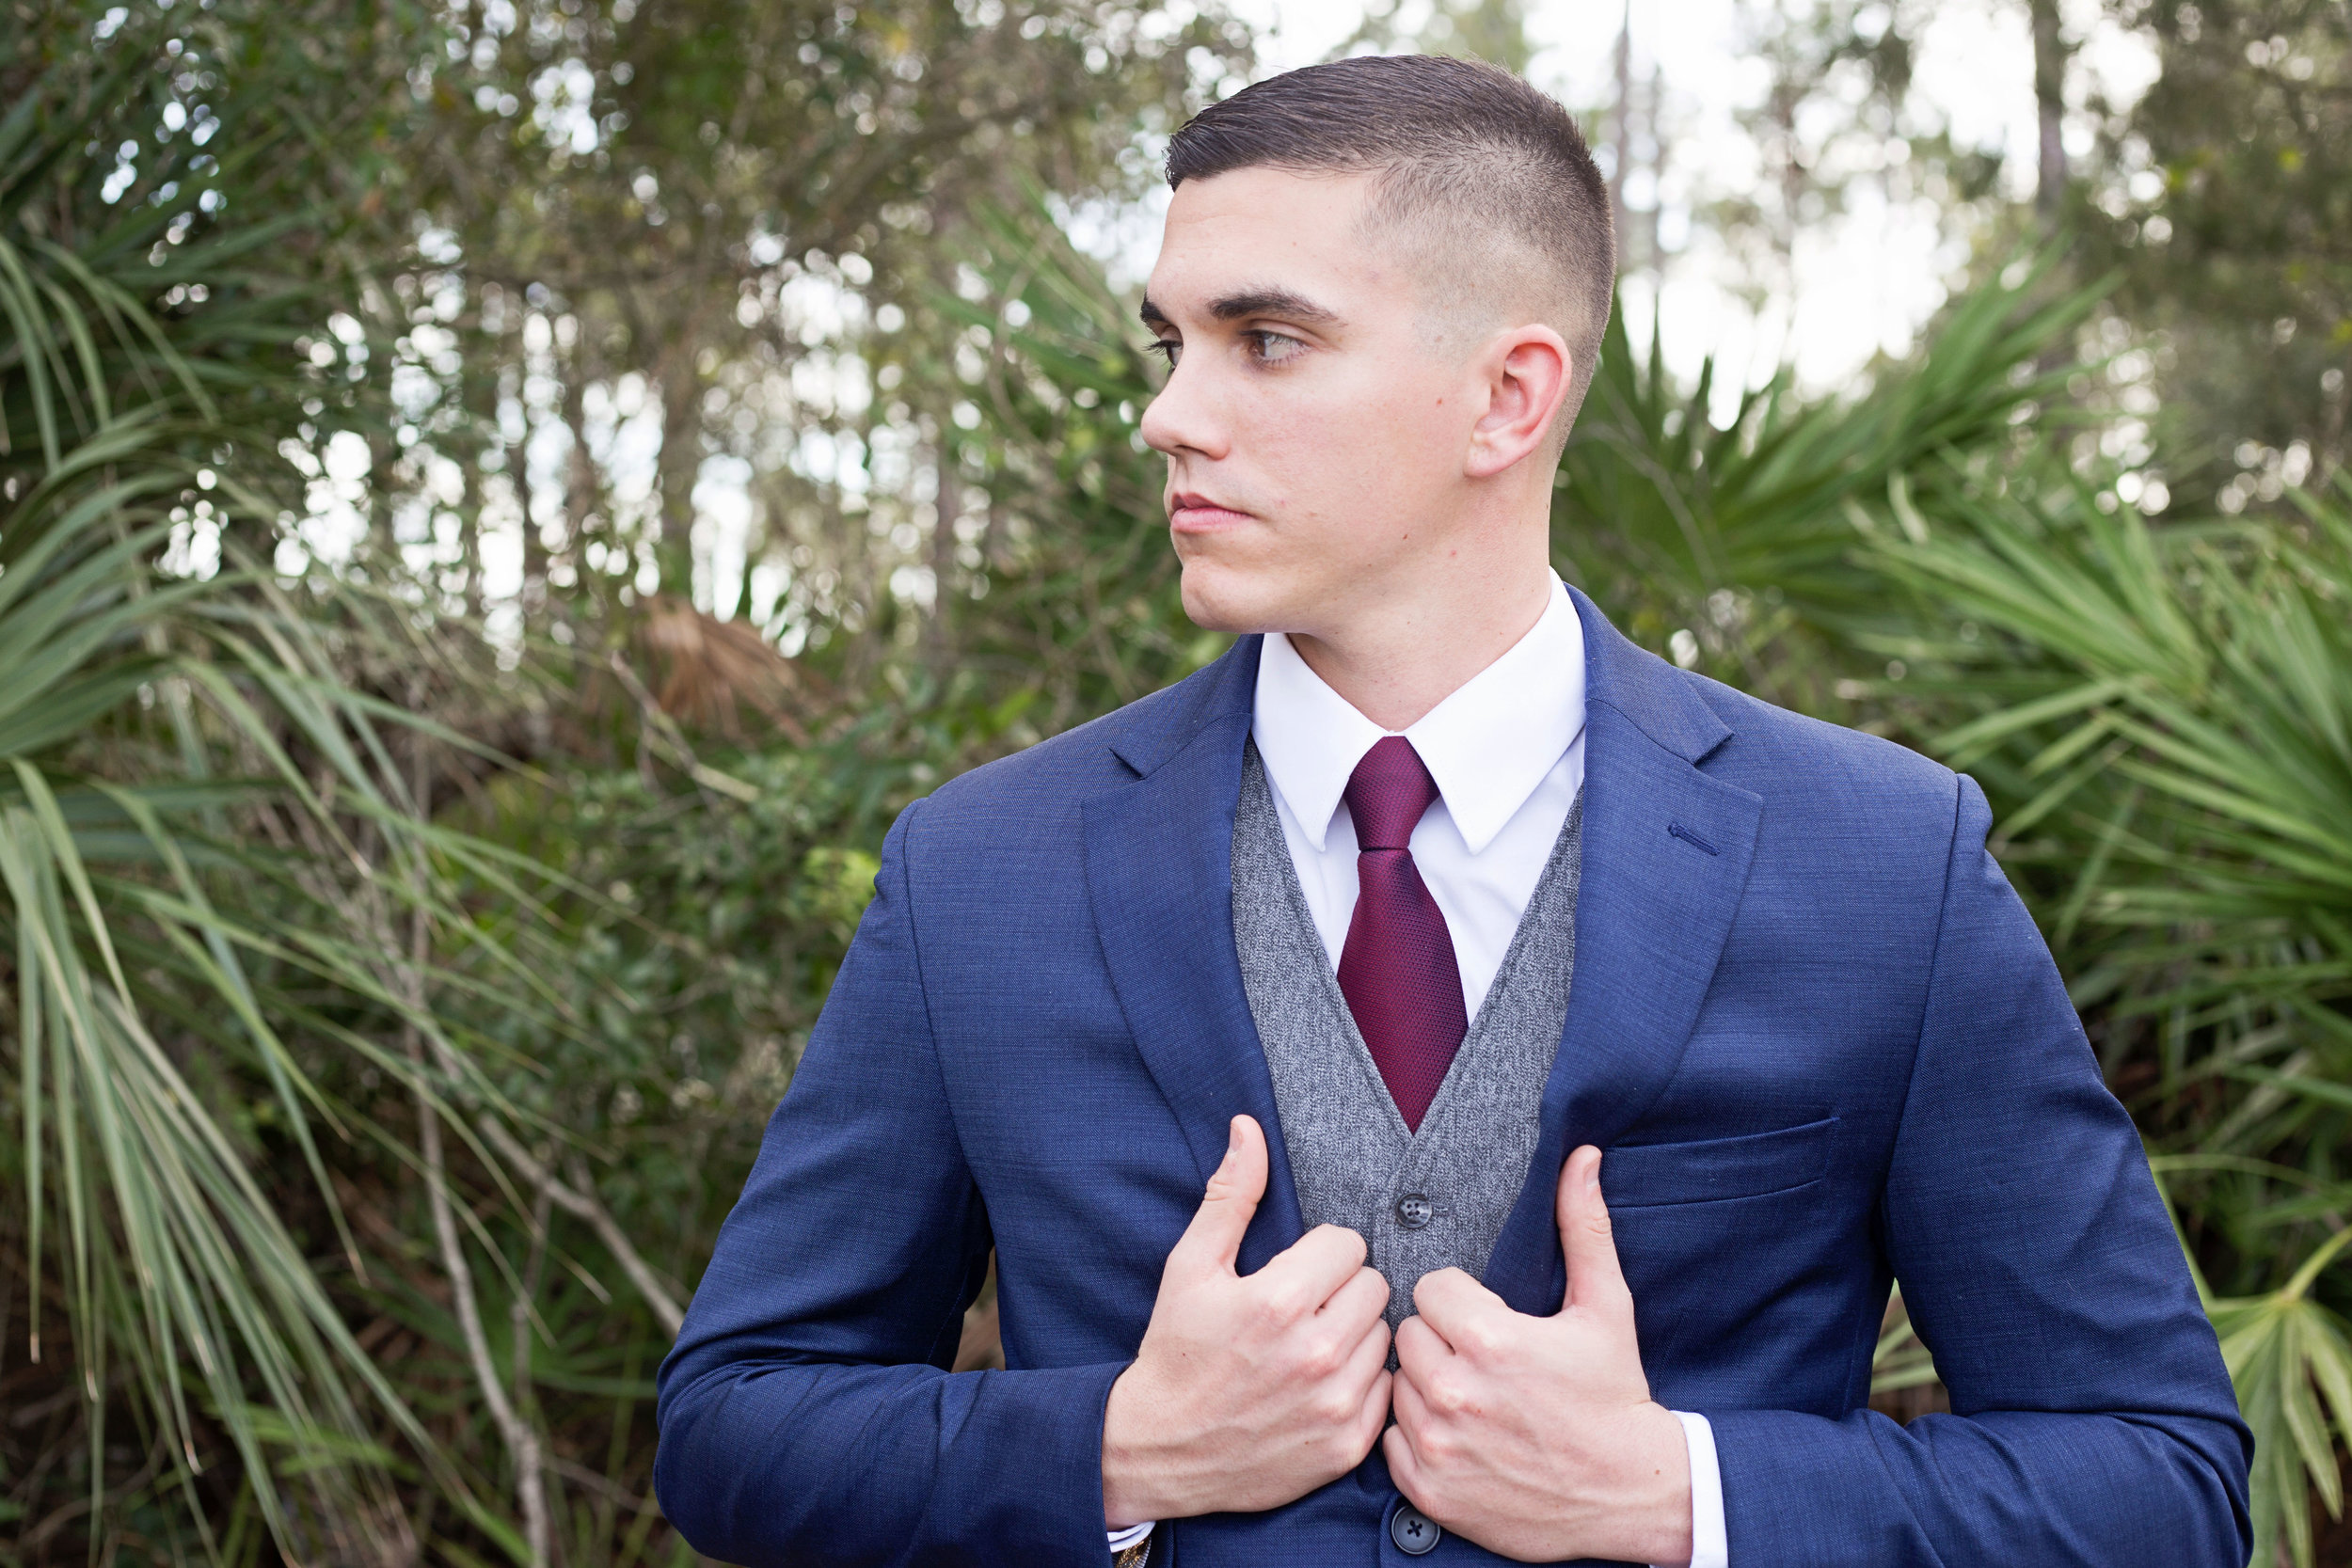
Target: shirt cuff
{"x":1709,"y":1546}
{"x":1122,"y":1539}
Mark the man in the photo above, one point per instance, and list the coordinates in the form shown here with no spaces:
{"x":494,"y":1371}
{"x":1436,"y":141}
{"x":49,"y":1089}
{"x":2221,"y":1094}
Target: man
{"x":1611,"y":1038}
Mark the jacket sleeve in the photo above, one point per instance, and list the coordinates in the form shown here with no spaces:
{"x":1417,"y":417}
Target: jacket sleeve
{"x":806,"y":1416}
{"x":2092,"y":1420}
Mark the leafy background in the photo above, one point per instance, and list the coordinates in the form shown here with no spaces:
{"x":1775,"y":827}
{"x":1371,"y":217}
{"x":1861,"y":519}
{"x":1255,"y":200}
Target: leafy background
{"x":431,"y":818}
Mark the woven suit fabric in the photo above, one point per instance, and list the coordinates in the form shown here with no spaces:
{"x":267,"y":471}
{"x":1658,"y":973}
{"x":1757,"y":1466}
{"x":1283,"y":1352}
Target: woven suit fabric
{"x":1796,"y":1045}
{"x":1397,"y":968}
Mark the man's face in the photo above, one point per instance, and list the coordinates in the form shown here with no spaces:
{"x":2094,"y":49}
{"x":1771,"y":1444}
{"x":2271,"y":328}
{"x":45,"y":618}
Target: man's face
{"x":1317,"y":418}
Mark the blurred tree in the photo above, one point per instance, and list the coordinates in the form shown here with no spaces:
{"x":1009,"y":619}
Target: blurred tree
{"x":1491,"y":30}
{"x":2219,"y":195}
{"x":660,"y":247}
{"x":1838,"y":114}
{"x":2230,"y":216}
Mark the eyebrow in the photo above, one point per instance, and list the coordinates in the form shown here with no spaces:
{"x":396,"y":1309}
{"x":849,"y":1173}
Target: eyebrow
{"x":1253,"y":302}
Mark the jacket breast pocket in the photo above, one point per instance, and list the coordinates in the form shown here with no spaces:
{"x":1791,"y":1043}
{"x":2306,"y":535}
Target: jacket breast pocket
{"x":1711,"y":1170}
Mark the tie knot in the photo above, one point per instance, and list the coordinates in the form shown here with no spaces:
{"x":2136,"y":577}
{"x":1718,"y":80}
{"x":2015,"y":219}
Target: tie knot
{"x":1388,"y":793}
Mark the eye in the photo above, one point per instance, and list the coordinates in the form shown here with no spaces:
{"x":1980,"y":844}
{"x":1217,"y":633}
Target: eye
{"x":1273,"y":348}
{"x":1168,"y":349}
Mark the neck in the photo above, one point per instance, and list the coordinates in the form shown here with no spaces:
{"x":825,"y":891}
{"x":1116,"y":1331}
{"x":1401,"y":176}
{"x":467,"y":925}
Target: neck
{"x":1403,"y":656}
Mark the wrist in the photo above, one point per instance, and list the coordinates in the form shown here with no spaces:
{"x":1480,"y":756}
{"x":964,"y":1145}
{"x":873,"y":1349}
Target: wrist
{"x":1655,"y":1486}
{"x":1133,"y":1481}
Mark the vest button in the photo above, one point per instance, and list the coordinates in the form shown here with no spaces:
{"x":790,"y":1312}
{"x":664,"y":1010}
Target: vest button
{"x":1413,"y":1211}
{"x":1413,"y":1531}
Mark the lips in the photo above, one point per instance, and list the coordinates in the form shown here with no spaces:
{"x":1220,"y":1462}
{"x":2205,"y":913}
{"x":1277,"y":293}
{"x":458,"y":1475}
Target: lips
{"x":1190,"y":513}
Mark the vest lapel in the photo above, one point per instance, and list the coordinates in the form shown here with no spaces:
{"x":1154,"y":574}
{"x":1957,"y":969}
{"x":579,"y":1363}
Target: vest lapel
{"x":1159,"y":874}
{"x":1667,"y":850}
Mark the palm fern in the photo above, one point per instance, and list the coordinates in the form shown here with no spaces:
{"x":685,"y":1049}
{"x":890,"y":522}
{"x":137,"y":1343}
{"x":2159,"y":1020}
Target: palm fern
{"x":1732,"y":544}
{"x":214,"y":863}
{"x":2164,"y":717}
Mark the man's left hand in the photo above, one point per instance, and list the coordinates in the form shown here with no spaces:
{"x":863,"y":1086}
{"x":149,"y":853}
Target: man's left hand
{"x":1536,"y":1437}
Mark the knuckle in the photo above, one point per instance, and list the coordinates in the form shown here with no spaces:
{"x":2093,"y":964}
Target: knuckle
{"x":1439,"y":1447}
{"x":1449,"y":1393}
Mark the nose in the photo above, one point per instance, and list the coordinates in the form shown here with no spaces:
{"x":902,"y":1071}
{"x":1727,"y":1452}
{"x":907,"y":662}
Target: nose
{"x":1184,"y":417}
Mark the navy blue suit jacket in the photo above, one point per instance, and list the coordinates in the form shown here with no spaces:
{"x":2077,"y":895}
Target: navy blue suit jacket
{"x":1818,"y":1035}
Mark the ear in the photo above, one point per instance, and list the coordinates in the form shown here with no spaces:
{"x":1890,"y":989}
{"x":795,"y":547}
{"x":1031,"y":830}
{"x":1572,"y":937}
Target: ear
{"x":1526,"y":372}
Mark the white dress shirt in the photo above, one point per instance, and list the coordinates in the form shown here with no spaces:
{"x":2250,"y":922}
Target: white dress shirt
{"x":1507,"y":752}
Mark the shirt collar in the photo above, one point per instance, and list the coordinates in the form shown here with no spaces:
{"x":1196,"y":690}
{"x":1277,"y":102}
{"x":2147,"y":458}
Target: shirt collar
{"x":1487,"y":746}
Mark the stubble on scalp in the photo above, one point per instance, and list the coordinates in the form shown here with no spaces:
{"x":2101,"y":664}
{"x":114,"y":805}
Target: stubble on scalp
{"x":1480,"y":184}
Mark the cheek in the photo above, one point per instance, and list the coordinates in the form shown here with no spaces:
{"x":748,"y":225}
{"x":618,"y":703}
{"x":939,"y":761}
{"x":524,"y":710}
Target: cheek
{"x":1388,"y":425}
{"x":1335,"y":453}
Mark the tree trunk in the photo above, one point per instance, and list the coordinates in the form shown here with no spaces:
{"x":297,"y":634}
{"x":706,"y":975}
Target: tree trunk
{"x":583,"y":485}
{"x":1625,"y":135}
{"x":679,"y":464}
{"x":2049,"y":94}
{"x":938,"y":643}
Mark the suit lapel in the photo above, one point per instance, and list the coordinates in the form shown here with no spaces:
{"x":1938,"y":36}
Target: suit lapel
{"x":1159,"y":874}
{"x":1666,"y":854}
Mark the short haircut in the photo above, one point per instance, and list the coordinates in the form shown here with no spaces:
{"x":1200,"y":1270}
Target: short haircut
{"x":1464,"y":153}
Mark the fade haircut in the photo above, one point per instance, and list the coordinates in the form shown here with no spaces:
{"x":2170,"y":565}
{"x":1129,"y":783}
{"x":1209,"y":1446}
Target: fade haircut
{"x":1487,"y":178}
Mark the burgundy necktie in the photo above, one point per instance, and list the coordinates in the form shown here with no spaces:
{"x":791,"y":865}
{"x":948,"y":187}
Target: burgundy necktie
{"x":1397,"y":969}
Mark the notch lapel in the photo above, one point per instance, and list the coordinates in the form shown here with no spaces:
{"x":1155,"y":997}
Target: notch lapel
{"x":1159,"y":867}
{"x":1666,"y":854}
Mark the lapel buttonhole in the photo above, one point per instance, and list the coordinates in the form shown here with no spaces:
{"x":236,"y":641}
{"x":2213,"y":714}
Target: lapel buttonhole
{"x":1678,"y":831}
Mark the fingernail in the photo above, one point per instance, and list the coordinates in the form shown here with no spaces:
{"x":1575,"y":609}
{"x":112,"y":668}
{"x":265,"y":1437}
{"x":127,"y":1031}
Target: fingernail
{"x":1233,"y":1140}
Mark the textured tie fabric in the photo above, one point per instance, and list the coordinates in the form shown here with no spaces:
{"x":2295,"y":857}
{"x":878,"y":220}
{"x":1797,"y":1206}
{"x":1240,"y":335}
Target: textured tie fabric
{"x":1397,"y":968}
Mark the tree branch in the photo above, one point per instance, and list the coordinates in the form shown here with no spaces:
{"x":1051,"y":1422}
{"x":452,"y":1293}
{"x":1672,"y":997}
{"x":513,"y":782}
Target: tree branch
{"x":577,"y":1201}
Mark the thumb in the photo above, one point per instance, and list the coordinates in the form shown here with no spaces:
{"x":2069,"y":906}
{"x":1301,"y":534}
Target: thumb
{"x":1213,"y":1240}
{"x":1595,"y":1283}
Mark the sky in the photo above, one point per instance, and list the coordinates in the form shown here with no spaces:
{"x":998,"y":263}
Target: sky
{"x":1864,"y":282}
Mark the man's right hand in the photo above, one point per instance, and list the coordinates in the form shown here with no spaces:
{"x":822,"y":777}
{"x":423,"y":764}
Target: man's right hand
{"x":1247,"y":1393}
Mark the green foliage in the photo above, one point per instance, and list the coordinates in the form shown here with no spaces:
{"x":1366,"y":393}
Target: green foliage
{"x":180,"y":1279}
{"x":212,"y":850}
{"x":1741,"y":537}
{"x":2285,"y":1351}
{"x":373,"y":1094}
{"x":402,"y":970}
{"x":1082,"y":612}
{"x":2163,"y":719}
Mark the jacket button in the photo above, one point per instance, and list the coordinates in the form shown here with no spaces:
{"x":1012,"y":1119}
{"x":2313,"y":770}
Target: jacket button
{"x":1413,"y":1211}
{"x":1413,"y":1531}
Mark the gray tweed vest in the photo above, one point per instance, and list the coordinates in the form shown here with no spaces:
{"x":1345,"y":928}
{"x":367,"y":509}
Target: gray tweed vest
{"x":1422,"y":1201}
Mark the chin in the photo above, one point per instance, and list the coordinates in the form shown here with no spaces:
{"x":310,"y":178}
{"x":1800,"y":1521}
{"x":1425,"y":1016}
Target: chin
{"x":1221,"y":600}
